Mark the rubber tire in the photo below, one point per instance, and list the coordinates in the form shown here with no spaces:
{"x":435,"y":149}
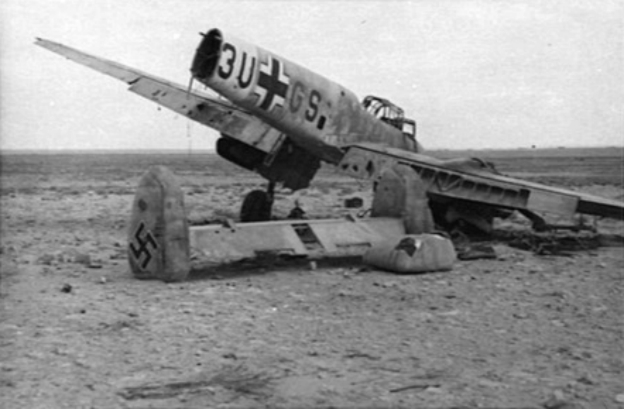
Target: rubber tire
{"x":256,"y":207}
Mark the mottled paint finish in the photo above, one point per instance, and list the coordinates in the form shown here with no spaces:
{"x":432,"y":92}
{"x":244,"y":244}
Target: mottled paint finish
{"x":316,"y":113}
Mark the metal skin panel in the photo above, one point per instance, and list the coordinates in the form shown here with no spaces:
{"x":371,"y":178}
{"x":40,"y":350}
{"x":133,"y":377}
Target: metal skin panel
{"x":311,"y":238}
{"x":545,"y":201}
{"x":220,"y":243}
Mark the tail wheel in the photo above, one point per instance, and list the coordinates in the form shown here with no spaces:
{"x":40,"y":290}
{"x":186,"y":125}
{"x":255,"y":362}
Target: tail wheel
{"x":256,"y":207}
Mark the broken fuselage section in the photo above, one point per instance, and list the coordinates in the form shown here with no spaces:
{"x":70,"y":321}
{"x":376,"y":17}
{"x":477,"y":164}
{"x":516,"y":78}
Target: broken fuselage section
{"x":310,"y":117}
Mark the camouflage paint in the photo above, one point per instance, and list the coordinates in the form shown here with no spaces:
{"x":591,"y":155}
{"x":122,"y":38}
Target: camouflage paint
{"x":316,"y":113}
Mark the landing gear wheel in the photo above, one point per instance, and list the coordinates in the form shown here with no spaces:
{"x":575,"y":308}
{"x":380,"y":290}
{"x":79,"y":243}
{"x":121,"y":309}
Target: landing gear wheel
{"x":256,"y":206}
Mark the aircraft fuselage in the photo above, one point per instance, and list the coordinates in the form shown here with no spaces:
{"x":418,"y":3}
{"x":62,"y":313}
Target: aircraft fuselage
{"x":319,"y":115}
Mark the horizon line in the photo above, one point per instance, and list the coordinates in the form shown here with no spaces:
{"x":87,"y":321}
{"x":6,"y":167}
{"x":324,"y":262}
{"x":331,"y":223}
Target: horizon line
{"x":212,"y":151}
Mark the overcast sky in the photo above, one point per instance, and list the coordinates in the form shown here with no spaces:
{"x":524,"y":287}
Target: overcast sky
{"x":474,"y":74}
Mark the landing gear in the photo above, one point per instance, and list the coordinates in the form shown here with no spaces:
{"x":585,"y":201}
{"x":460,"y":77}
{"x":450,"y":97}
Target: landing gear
{"x":257,"y":205}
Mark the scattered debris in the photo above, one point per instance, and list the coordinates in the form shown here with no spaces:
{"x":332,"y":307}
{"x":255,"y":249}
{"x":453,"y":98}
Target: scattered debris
{"x":353,"y":203}
{"x":420,"y":386}
{"x":236,"y":379}
{"x":555,"y":243}
{"x":611,"y":240}
{"x":297,"y":213}
{"x":95,"y":264}
{"x":475,"y":251}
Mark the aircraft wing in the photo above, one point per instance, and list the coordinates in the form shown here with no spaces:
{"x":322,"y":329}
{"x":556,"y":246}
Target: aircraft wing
{"x":445,"y":180}
{"x":218,"y":114}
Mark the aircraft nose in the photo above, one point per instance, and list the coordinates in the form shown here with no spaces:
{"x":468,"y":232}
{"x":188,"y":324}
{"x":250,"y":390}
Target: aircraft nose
{"x":207,"y":55}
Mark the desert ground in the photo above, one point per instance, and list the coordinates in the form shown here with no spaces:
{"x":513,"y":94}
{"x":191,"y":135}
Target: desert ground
{"x":78,"y":331}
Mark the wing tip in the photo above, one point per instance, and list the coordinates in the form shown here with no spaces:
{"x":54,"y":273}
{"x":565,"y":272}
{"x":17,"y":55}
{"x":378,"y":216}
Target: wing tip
{"x":41,"y":41}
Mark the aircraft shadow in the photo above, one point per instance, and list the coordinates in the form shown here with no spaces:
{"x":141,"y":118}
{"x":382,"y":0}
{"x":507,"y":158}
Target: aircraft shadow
{"x":266,"y":265}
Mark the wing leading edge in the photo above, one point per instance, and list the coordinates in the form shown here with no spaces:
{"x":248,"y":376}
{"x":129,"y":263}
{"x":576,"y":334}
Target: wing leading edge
{"x":217,"y":114}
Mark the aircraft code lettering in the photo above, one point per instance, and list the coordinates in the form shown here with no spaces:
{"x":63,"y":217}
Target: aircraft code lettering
{"x":143,"y":240}
{"x":230,"y":49}
{"x":272,"y":85}
{"x":244,"y":83}
{"x":297,"y":98}
{"x":312,"y":111}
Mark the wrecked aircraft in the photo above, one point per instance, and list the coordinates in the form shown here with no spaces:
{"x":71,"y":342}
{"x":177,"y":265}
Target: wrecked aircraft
{"x":282,"y":120}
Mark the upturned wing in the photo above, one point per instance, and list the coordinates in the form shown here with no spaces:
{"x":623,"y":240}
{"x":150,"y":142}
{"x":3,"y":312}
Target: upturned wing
{"x":220,"y":115}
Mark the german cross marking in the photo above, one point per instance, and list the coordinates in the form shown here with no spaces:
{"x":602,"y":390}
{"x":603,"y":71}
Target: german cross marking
{"x":272,"y":84}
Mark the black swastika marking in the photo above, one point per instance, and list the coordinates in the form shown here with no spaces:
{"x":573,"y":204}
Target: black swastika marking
{"x":143,"y":241}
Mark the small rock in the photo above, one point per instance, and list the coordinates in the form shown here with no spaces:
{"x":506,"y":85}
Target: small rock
{"x":94,"y":262}
{"x":82,"y":258}
{"x":67,"y":288}
{"x":103,"y":280}
{"x":557,"y":401}
{"x":46,"y":259}
{"x":586,"y":380}
{"x":313,"y":265}
{"x":619,"y":398}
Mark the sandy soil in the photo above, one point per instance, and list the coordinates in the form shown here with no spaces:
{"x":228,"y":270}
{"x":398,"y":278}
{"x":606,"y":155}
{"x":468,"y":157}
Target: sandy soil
{"x":77,"y":331}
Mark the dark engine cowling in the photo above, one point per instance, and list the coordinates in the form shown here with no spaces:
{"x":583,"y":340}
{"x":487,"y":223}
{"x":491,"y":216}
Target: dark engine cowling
{"x":291,"y":166}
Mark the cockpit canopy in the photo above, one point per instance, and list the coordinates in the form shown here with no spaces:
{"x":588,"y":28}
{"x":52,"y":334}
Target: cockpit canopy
{"x":389,"y":113}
